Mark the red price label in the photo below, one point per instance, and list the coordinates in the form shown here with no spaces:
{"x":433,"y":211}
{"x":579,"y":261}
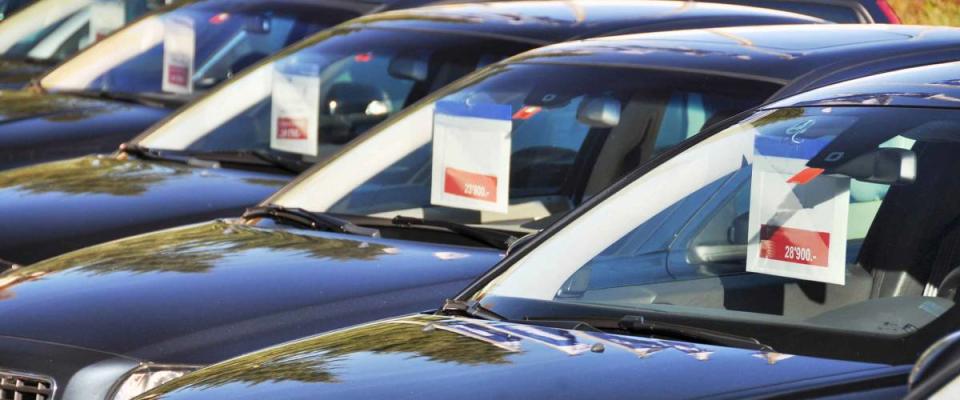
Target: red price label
{"x":177,"y":75}
{"x":291,"y":128}
{"x":796,"y":246}
{"x":468,"y":184}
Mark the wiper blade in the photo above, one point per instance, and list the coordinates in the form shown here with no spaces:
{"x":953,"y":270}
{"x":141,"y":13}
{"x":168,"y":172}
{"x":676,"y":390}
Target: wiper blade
{"x":470,"y":309}
{"x":319,"y":221}
{"x":39,"y":61}
{"x":263,"y":157}
{"x":140,"y":151}
{"x":640,"y":325}
{"x":489,"y":237}
{"x":115,"y":96}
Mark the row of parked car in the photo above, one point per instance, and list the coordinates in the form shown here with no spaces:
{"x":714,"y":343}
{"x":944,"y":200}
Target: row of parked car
{"x":239,"y":199}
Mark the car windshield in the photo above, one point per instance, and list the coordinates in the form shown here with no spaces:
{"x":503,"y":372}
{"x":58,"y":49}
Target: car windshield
{"x":833,"y":221}
{"x":306,"y":103}
{"x":519,"y":143}
{"x":184,"y":50}
{"x":52,"y":30}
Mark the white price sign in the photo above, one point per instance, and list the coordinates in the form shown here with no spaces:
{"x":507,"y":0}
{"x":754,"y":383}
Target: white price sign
{"x":471,"y":156}
{"x":798,"y":217}
{"x":294,"y":120}
{"x":179,"y":51}
{"x":106,"y":16}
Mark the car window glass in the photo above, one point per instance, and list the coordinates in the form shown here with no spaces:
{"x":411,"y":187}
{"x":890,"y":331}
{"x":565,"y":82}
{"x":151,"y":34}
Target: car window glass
{"x":225,"y":42}
{"x":558,"y":154}
{"x":52,"y":30}
{"x":357,"y":89}
{"x":690,"y":250}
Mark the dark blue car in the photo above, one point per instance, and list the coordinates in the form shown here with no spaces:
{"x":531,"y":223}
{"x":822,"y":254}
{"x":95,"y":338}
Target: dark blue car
{"x":806,"y":251}
{"x":217,"y":156}
{"x":123,"y":84}
{"x":360,"y":237}
{"x":36,"y":36}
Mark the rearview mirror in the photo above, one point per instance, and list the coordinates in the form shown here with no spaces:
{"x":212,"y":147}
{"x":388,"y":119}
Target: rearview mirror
{"x":260,"y":24}
{"x":937,"y":367}
{"x":349,"y":109}
{"x":599,"y":112}
{"x":888,"y":166}
{"x":412,"y":67}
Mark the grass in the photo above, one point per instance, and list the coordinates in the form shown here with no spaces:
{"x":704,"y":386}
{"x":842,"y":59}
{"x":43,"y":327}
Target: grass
{"x":928,"y":12}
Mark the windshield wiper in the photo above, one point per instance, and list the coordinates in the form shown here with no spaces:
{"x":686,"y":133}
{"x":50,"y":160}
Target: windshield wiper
{"x":640,"y":325}
{"x":140,"y":151}
{"x":470,"y":309}
{"x":264,"y":157}
{"x":319,"y":221}
{"x":146,"y":99}
{"x":489,"y":237}
{"x":39,"y":61}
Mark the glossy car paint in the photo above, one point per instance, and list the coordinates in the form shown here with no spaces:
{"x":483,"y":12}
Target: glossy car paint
{"x":39,"y":127}
{"x":224,"y":289}
{"x":418,"y":356}
{"x":531,"y":23}
{"x":840,"y":11}
{"x":113,"y":194}
{"x":17,"y":74}
{"x":441,"y":357}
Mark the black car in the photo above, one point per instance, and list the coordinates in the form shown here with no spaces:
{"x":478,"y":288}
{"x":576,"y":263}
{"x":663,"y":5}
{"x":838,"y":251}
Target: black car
{"x":46,"y":32}
{"x":840,"y":11}
{"x":222,"y":153}
{"x":359,"y":237}
{"x":113,"y":90}
{"x":806,"y":251}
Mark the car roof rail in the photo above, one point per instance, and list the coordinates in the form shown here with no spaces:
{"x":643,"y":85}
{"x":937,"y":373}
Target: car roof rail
{"x":843,"y":71}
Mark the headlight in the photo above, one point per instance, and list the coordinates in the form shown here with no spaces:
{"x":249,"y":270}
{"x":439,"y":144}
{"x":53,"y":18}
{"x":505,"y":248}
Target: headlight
{"x":147,"y":377}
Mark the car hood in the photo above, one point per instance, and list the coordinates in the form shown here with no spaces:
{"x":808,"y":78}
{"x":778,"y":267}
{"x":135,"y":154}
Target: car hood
{"x":438,"y":357}
{"x":49,"y":209}
{"x":39,"y":127}
{"x":17,"y":74}
{"x":203,"y":293}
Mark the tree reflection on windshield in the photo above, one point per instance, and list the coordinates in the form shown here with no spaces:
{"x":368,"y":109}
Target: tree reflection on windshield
{"x":198,"y":249}
{"x":89,"y":175}
{"x":317,"y":359}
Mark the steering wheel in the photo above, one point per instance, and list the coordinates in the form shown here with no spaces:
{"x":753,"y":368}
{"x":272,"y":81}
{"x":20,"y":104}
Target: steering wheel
{"x":950,"y":285}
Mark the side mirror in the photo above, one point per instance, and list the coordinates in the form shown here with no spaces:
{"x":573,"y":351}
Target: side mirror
{"x":938,"y":366}
{"x":411,"y":67}
{"x":732,"y":252}
{"x":888,"y":166}
{"x":599,"y":112}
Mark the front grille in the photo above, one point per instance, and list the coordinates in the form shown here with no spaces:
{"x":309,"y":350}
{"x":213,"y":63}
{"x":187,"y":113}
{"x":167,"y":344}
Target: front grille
{"x":19,"y":386}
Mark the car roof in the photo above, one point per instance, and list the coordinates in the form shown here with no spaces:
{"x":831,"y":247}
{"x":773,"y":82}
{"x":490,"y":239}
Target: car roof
{"x":936,"y":85}
{"x":330,"y":10}
{"x":545,"y":22}
{"x":843,"y":11}
{"x":801,"y":57}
